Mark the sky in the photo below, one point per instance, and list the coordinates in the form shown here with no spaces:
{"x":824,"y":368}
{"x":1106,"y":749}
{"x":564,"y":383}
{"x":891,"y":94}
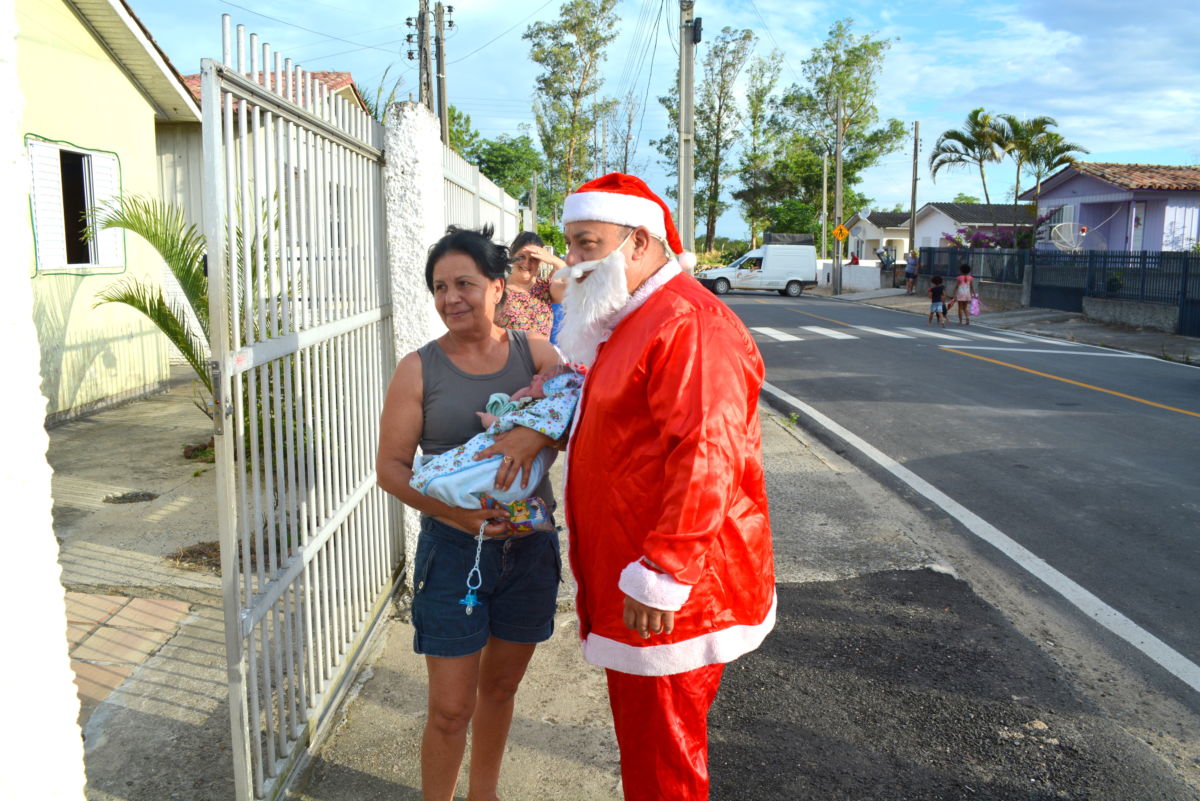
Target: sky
{"x":1121,"y":80}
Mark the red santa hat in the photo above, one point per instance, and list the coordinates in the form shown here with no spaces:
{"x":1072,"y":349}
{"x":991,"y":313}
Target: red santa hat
{"x":626,"y":200}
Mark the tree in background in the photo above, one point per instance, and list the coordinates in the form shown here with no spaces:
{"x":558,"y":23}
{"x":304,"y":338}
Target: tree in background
{"x":510,"y":162}
{"x":1049,"y":154}
{"x":978,"y":142}
{"x":964,"y":198}
{"x":844,"y":67}
{"x":1019,"y":138}
{"x":570,"y":51}
{"x":717,"y":120}
{"x":377,"y":103}
{"x":762,"y":140}
{"x":463,"y":138}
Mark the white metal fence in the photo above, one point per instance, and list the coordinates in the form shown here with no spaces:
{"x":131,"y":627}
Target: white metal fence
{"x":472,"y":200}
{"x":302,"y":348}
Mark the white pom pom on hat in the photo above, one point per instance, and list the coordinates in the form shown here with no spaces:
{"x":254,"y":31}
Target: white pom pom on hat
{"x":626,"y":200}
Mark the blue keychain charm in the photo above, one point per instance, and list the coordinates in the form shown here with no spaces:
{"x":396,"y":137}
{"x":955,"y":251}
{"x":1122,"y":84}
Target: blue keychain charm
{"x":470,"y":601}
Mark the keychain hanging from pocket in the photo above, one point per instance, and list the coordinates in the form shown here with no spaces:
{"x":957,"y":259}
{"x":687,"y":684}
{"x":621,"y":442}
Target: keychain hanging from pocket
{"x":474,"y":578}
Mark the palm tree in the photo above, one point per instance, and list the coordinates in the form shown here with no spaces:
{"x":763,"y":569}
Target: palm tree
{"x":1019,"y":138}
{"x":1049,"y":154}
{"x":975,"y":144}
{"x":182,"y":247}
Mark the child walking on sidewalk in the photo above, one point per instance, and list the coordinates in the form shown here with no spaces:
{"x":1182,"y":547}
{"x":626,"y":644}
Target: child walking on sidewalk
{"x":937,"y":308}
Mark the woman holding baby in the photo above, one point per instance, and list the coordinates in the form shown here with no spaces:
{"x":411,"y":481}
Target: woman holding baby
{"x":477,"y":641}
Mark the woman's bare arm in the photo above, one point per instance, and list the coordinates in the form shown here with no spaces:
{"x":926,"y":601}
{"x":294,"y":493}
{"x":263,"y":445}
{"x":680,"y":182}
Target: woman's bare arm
{"x":400,"y":428}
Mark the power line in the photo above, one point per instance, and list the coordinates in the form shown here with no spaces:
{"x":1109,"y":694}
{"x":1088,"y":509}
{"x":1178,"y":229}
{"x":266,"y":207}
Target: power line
{"x":502,"y":35}
{"x":782,"y":52}
{"x":646,"y":95}
{"x":359,"y":45}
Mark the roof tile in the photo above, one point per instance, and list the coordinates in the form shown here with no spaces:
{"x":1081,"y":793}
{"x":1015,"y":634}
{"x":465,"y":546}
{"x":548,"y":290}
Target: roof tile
{"x":1144,"y":176}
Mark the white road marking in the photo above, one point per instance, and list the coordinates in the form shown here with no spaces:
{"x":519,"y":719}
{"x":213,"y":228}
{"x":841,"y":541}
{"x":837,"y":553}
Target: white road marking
{"x":1044,"y":340}
{"x":883,"y":332}
{"x":828,"y":332}
{"x":974,"y":335}
{"x":1114,"y":354}
{"x":774,"y":334}
{"x":1167,"y":657}
{"x":935,"y":334}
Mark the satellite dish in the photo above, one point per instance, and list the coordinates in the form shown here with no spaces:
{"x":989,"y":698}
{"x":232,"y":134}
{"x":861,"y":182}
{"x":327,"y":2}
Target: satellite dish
{"x":856,"y":232}
{"x":1068,"y":236}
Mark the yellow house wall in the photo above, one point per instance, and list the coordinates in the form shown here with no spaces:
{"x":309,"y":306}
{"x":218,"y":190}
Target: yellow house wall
{"x":75,"y":93}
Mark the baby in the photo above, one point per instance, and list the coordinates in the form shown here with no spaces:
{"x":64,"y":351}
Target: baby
{"x":457,"y":479}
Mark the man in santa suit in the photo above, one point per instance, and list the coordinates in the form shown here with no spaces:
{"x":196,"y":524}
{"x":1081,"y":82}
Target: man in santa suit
{"x":670,"y":541}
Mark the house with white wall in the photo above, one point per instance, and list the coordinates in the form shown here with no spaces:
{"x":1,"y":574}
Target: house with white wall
{"x":98,"y":92}
{"x":872,"y":230}
{"x":937,"y":220}
{"x":1132,"y":206}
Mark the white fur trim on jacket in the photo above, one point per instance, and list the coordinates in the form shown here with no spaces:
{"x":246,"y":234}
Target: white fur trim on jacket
{"x":612,"y":207}
{"x":717,"y":647}
{"x":657,"y":590}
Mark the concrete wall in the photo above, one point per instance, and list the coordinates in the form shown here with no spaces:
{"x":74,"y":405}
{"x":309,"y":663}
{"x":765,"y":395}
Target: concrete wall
{"x":990,"y":292}
{"x":75,"y":93}
{"x":855,"y":277}
{"x":41,"y":750}
{"x":1156,"y":316}
{"x":415,"y":218}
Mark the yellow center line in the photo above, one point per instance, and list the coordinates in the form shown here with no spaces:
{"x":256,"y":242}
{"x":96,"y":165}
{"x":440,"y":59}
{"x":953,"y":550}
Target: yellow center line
{"x":1070,"y":381}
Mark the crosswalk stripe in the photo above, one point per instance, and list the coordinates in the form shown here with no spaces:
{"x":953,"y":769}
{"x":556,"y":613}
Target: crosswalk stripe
{"x":974,"y":335}
{"x":882,"y":332}
{"x":778,"y":335}
{"x":935,"y":334}
{"x":828,"y":332}
{"x":1045,"y":340}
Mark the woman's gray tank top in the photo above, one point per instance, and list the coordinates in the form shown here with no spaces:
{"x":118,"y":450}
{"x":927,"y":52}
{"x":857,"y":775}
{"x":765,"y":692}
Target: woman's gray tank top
{"x":452,"y":397}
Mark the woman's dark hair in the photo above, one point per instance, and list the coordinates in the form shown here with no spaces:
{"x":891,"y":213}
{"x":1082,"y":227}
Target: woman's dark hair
{"x":524,"y":238}
{"x":964,"y":269}
{"x":490,"y":258}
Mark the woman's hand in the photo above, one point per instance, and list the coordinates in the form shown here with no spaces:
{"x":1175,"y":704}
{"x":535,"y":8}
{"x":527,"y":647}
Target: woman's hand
{"x":543,"y":255}
{"x":494,"y":521}
{"x":519,"y":447}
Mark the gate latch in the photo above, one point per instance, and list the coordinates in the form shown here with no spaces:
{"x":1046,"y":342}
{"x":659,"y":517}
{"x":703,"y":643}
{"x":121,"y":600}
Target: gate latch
{"x":221,"y":408}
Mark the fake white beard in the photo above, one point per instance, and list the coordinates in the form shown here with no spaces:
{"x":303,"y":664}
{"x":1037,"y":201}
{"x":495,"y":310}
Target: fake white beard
{"x":588,"y":306}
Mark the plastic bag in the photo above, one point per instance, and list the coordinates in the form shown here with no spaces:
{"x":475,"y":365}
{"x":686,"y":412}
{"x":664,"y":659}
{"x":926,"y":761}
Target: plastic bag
{"x":976,"y":307}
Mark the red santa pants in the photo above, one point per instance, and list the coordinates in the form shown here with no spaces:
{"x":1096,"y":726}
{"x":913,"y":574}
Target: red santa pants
{"x":662,"y":731}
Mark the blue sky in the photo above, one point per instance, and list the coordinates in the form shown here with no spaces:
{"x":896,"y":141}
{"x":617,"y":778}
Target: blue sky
{"x":1122,"y":79}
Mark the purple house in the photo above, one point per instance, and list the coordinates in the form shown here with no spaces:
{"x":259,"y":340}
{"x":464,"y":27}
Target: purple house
{"x":1133,"y":206}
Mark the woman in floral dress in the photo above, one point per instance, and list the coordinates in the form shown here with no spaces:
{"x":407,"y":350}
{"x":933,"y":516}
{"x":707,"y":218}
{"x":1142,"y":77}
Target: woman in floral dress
{"x":530,"y":299}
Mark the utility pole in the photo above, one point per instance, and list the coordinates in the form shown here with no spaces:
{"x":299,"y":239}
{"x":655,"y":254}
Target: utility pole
{"x":824,"y":202}
{"x":440,"y":43}
{"x":425,"y":85}
{"x":687,"y":124}
{"x":912,"y":212}
{"x":837,"y":203}
{"x":533,"y":201}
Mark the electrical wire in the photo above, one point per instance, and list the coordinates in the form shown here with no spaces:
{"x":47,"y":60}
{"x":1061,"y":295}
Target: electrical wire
{"x":505,"y":33}
{"x":782,"y":52}
{"x":359,"y":45}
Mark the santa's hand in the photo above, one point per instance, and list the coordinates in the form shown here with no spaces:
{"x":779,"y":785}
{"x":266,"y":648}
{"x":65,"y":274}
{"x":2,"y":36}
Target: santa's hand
{"x":518,"y":448}
{"x":646,"y":620}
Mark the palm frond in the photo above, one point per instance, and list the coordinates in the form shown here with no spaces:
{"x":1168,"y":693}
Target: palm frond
{"x":169,"y":319}
{"x":179,"y":243}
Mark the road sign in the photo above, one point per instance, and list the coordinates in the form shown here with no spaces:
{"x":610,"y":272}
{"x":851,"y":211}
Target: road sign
{"x":840,"y":233}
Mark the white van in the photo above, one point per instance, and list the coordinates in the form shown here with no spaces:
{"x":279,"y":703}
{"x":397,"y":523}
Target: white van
{"x":786,"y":269}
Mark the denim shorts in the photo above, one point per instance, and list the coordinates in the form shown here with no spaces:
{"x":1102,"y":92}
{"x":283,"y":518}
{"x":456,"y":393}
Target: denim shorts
{"x":517,"y":597}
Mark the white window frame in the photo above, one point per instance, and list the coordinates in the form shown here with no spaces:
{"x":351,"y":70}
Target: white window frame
{"x":102,"y":184}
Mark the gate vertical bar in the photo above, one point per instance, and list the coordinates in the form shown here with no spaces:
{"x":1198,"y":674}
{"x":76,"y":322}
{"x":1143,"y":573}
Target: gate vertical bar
{"x":215,"y":215}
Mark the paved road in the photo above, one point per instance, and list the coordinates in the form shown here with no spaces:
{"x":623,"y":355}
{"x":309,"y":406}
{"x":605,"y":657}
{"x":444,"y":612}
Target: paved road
{"x":1087,"y":457}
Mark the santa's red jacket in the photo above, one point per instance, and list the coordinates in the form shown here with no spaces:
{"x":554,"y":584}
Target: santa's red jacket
{"x":665,"y":499}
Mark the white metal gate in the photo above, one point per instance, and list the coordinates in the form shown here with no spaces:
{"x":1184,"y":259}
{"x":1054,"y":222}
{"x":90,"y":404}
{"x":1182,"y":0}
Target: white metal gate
{"x":302,"y":353}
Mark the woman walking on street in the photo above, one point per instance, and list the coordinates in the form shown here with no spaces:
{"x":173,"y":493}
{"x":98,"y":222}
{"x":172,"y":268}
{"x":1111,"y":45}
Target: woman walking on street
{"x":963,"y":292}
